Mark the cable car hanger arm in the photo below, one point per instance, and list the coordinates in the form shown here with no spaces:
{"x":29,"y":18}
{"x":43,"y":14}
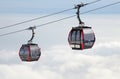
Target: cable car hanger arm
{"x":33,"y":34}
{"x":78,"y":10}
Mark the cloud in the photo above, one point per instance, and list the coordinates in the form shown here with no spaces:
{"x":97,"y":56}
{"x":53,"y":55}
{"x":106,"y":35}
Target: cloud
{"x":9,"y":57}
{"x":107,"y":48}
{"x":62,"y":63}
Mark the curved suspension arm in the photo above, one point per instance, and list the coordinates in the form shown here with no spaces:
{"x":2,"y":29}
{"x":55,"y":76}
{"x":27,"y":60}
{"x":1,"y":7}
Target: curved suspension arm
{"x":78,"y":12}
{"x":33,"y":34}
{"x":78,"y":15}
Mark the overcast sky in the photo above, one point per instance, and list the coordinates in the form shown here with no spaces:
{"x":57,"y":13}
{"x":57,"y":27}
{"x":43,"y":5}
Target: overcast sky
{"x":46,"y":6}
{"x":58,"y":61}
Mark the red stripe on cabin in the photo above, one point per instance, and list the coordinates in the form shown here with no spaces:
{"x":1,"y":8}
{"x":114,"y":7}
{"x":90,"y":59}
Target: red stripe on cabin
{"x":83,"y":40}
{"x":29,"y":53}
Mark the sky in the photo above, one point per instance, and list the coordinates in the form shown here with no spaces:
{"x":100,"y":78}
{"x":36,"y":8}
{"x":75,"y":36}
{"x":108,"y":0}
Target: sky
{"x":58,"y":60}
{"x":46,"y":6}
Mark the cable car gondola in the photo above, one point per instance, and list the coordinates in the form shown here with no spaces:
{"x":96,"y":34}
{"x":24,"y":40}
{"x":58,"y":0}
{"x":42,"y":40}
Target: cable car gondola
{"x":81,"y":37}
{"x":30,"y":51}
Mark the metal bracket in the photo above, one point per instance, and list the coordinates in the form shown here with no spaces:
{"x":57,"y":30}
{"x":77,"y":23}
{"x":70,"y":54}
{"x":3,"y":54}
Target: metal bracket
{"x":78,"y":12}
{"x":33,"y":34}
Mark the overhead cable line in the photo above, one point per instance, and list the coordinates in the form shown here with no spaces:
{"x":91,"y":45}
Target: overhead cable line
{"x":82,"y":4}
{"x":35,"y":18}
{"x":101,"y":7}
{"x":60,"y":19}
{"x":13,"y":32}
{"x":93,"y":2}
{"x":75,"y":15}
{"x":51,"y":22}
{"x":12,"y":25}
